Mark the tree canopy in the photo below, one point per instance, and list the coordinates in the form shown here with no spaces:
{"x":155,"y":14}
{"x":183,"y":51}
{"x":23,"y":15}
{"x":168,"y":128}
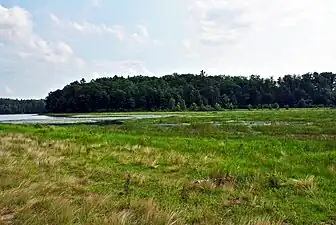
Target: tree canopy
{"x":11,"y":106}
{"x":194,"y":92}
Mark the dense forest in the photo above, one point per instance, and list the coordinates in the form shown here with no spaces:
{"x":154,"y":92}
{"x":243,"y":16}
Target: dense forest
{"x":11,"y":106}
{"x":194,"y":92}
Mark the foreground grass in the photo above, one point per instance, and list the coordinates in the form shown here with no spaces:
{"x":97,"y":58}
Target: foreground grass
{"x":142,"y":173}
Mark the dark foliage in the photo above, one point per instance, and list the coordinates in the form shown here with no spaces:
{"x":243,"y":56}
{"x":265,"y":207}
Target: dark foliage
{"x":198,"y":92}
{"x":11,"y":106}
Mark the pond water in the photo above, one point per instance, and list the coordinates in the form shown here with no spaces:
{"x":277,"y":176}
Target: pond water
{"x":40,"y":119}
{"x":18,"y":117}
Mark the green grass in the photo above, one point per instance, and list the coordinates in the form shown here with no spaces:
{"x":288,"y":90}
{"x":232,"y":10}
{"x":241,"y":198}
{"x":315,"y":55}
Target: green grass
{"x":217,"y":168}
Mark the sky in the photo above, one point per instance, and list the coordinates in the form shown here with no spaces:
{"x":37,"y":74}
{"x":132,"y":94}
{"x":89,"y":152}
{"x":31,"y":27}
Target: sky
{"x":46,"y":44}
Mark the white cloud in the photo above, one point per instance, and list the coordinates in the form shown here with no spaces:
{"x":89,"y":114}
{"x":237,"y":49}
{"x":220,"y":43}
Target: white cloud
{"x":223,"y":21}
{"x":8,"y":90}
{"x":16,"y":28}
{"x":237,"y":37}
{"x":122,"y":68}
{"x":186,"y":44}
{"x":143,"y":30}
{"x":33,"y":64}
{"x":142,"y":36}
{"x":55,"y":19}
{"x":191,"y":48}
{"x":217,"y":21}
{"x":157,"y":42}
{"x":97,"y":3}
{"x":23,"y":54}
{"x":36,"y":62}
{"x":261,"y":36}
{"x":88,"y":28}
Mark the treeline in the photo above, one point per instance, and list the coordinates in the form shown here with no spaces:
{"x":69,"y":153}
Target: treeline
{"x":196,"y":92}
{"x":15,"y":106}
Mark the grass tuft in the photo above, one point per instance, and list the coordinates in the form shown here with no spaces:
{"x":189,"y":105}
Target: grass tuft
{"x":308,"y":183}
{"x":332,"y":169}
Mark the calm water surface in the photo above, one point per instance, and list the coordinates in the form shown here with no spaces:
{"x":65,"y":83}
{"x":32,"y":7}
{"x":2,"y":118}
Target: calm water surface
{"x":17,"y":117}
{"x":40,"y":119}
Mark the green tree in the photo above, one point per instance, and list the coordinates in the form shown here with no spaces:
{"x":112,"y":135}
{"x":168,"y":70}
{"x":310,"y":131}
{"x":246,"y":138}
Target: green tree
{"x":194,"y":107}
{"x":178,"y":107}
{"x":302,"y":103}
{"x":203,"y":107}
{"x":183,"y":105}
{"x":275,"y":106}
{"x":154,"y":93}
{"x":230,"y":106}
{"x":171,"y":104}
{"x":218,"y":107}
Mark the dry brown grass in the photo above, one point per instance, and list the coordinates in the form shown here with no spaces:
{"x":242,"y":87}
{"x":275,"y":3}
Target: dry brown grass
{"x":42,"y":153}
{"x":137,"y":154}
{"x":216,"y":181}
{"x":147,"y":156}
{"x":34,"y":191}
{"x":309,"y":183}
{"x":143,"y":212}
{"x":332,"y":169}
{"x":174,"y":158}
{"x":264,"y":221}
{"x":138,"y":178}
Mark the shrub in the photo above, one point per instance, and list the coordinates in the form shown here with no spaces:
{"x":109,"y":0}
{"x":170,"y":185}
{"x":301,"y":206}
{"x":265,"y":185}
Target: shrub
{"x":203,"y":108}
{"x":208,"y":108}
{"x":218,"y":107}
{"x":183,"y":105}
{"x":178,"y":107}
{"x":287,"y":107}
{"x":171,"y":104}
{"x":230,"y":106}
{"x":302,"y":103}
{"x":194,"y":107}
{"x":275,"y":106}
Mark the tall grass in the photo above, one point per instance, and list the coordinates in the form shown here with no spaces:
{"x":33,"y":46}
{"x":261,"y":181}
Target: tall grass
{"x":141,"y":173}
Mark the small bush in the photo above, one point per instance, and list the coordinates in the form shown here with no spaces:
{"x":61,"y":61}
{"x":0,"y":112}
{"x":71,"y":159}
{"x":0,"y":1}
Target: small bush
{"x":273,"y":182}
{"x":302,"y":103}
{"x":183,"y":105}
{"x":203,"y":107}
{"x":194,"y":107}
{"x":171,"y":104}
{"x":218,"y":107}
{"x":230,"y":106}
{"x":209,"y":108}
{"x":287,"y":107}
{"x":178,"y":107}
{"x":275,"y":106}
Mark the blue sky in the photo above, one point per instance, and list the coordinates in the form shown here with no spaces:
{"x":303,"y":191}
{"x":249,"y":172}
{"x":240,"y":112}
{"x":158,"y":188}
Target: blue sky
{"x":47,"y":44}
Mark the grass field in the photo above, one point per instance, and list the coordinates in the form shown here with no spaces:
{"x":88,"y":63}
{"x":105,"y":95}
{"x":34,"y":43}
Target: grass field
{"x":233,"y":167}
